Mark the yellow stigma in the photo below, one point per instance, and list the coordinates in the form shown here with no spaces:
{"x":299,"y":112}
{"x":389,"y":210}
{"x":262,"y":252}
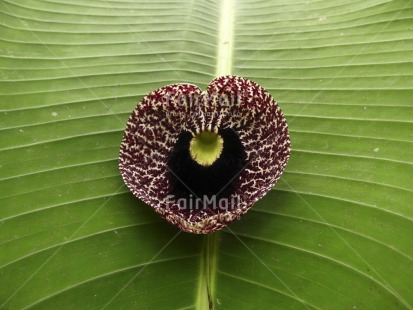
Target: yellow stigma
{"x":206,"y":147}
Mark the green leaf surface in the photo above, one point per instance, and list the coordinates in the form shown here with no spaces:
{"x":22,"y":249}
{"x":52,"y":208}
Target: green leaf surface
{"x":335,"y":232}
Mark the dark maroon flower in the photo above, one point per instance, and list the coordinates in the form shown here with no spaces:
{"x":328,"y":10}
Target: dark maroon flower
{"x":202,"y":159}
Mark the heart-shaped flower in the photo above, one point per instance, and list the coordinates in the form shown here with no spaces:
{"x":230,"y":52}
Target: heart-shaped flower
{"x":201,"y":159}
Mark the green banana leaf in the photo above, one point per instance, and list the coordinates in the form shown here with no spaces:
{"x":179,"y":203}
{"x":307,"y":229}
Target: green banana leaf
{"x":334,"y":233}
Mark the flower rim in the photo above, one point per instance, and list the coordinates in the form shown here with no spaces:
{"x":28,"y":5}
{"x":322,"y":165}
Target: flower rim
{"x":155,"y":124}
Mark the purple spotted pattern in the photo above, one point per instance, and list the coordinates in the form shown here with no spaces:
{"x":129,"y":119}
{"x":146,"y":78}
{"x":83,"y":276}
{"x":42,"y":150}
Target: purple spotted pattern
{"x":229,"y":102}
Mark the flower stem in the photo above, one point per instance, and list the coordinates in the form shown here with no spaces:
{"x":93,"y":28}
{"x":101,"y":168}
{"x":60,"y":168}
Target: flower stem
{"x":206,"y":289}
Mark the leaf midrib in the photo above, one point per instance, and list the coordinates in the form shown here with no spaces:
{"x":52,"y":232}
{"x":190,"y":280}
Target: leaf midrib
{"x":208,"y":264}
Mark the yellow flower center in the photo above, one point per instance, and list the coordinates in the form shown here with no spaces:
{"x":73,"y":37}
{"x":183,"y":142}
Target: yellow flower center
{"x":206,"y":147}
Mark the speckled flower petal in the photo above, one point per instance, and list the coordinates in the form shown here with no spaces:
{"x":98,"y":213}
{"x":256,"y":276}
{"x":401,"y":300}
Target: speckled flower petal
{"x":235,"y":108}
{"x":150,"y":135}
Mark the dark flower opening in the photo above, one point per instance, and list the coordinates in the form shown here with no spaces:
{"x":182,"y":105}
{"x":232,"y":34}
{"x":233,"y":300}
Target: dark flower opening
{"x":193,"y":181}
{"x":202,"y":159}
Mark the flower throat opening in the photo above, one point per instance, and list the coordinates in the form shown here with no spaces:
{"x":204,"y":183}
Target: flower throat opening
{"x":206,"y":166}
